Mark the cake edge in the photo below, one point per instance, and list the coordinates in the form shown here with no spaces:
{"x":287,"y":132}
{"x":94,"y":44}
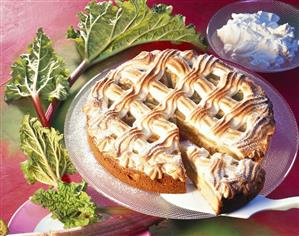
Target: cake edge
{"x":136,"y":178}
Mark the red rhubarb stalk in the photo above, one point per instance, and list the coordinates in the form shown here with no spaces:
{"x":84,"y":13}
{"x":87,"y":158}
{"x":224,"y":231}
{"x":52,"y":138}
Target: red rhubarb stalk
{"x":72,"y":79}
{"x":39,"y":110}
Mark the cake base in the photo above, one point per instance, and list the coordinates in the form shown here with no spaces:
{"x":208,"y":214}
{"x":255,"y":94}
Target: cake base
{"x":136,"y":178}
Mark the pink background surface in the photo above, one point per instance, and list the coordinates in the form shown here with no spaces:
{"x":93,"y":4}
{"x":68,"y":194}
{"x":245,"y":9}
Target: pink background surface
{"x":19,"y":21}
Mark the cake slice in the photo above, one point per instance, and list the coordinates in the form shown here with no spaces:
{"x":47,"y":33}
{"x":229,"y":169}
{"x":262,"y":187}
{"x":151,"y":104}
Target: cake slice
{"x":225,"y":183}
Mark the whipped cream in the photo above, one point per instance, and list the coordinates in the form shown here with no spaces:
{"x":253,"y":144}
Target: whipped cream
{"x":258,"y":39}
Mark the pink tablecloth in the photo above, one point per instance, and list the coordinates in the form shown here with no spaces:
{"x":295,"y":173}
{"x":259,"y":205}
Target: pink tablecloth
{"x":20,"y":19}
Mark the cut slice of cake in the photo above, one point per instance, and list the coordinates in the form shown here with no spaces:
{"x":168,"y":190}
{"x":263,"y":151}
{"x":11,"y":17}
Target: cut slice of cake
{"x":226,"y":183}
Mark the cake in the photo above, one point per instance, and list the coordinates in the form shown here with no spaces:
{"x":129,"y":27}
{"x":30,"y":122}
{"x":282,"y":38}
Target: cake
{"x":140,"y":115}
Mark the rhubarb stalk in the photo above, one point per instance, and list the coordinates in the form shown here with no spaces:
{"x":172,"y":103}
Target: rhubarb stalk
{"x":39,"y":110}
{"x":72,"y":79}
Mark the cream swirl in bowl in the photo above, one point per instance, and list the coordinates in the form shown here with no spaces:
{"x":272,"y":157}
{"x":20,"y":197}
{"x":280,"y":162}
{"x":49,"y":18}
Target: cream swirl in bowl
{"x":259,"y":39}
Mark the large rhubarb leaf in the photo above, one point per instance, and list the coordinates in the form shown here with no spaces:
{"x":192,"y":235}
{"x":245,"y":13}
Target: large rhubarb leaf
{"x":39,"y":72}
{"x":47,"y":160}
{"x":106,"y":29}
{"x":69,"y":203}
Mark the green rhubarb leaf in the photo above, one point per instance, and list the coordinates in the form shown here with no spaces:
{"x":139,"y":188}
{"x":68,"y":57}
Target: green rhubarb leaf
{"x":106,"y":28}
{"x":47,"y":160}
{"x":39,"y":72}
{"x":70,"y":204}
{"x":3,"y":228}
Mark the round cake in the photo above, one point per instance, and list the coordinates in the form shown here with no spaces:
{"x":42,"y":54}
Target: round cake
{"x":166,"y":115}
